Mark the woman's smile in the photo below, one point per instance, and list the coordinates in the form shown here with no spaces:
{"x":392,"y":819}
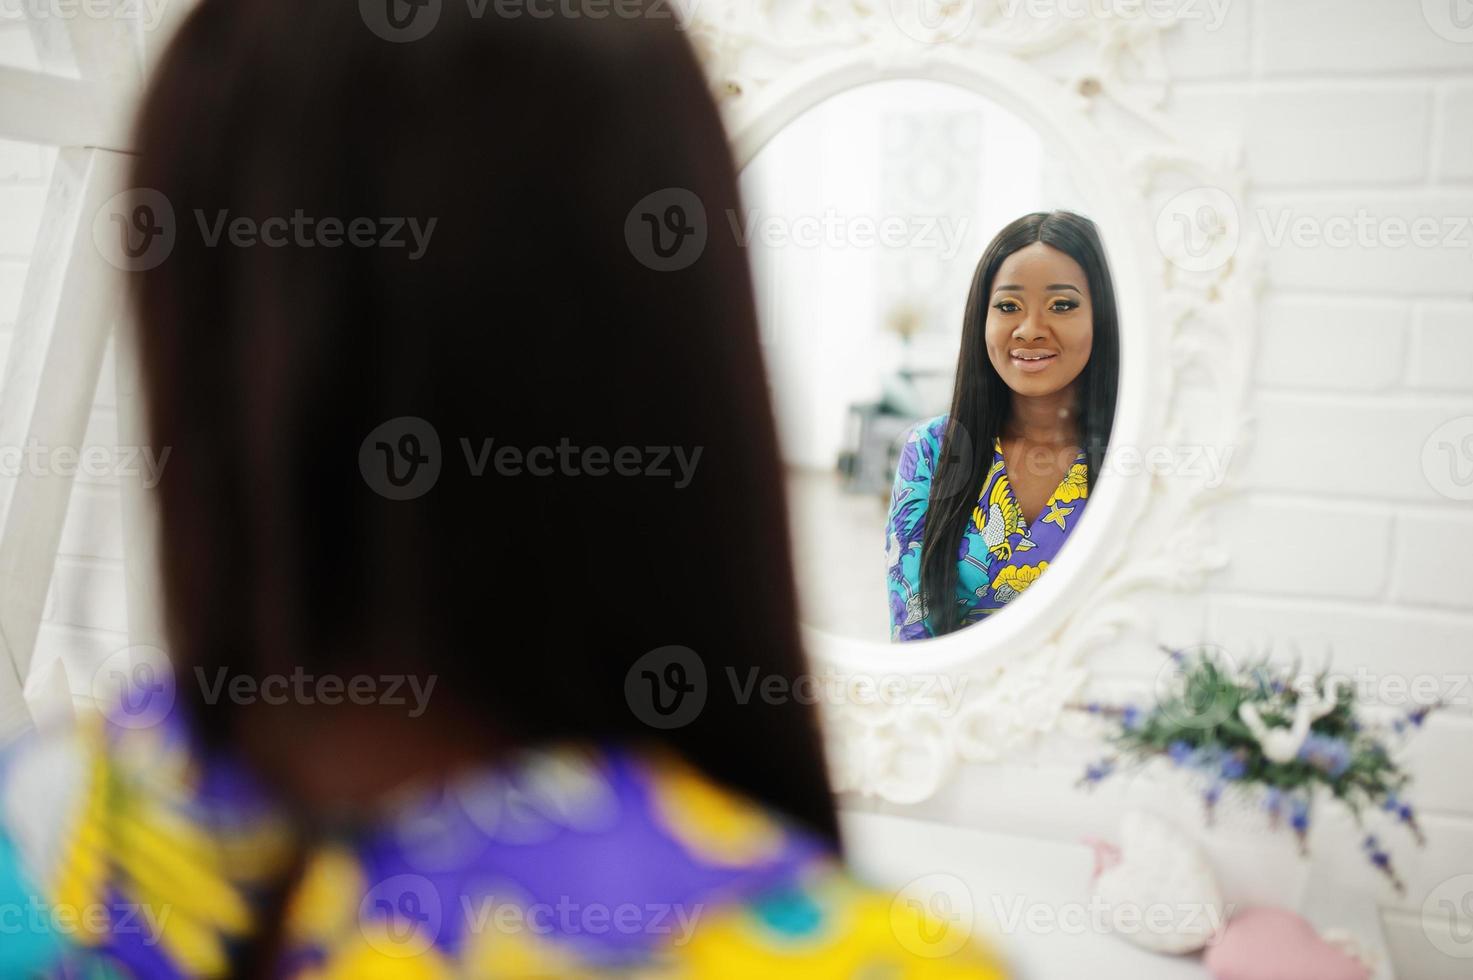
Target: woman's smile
{"x":1031,"y":360}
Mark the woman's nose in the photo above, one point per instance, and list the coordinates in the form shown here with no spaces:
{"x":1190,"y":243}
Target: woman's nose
{"x":1030,"y":329}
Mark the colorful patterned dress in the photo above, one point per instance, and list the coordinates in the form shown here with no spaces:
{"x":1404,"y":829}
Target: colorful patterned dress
{"x":1000,"y":554}
{"x":129,"y":853}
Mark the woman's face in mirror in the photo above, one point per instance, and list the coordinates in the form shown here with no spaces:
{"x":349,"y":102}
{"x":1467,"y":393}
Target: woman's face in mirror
{"x":1040,"y":324}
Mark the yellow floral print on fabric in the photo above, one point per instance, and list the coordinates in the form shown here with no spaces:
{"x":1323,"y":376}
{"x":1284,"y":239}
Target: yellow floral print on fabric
{"x":711,"y":823}
{"x":494,"y":953}
{"x":381,"y":951}
{"x":1019,"y":577}
{"x":1074,"y":485}
{"x":854,"y":932}
{"x":322,"y":907}
{"x":136,"y":834}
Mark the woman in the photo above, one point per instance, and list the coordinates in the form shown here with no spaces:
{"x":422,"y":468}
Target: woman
{"x":985,"y":495}
{"x":343,"y":527}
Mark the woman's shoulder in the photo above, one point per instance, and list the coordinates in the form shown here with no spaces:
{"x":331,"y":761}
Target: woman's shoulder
{"x":827,"y":923}
{"x":920,"y":446}
{"x":577,"y":860}
{"x":571,"y":859}
{"x":812,"y":914}
{"x":932,"y":430}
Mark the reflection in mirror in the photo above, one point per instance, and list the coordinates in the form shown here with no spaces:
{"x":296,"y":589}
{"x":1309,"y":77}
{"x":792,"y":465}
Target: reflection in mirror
{"x":868,"y":218}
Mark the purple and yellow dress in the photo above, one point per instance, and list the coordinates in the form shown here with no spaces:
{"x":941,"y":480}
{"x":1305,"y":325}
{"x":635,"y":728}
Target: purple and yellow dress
{"x":133,"y":853}
{"x":1000,"y":554}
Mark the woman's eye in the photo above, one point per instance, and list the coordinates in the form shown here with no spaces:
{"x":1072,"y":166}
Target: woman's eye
{"x":1063,"y":305}
{"x":1005,"y":306}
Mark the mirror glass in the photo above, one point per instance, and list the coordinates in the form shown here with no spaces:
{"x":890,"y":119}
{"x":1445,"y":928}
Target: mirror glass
{"x":865,"y":219}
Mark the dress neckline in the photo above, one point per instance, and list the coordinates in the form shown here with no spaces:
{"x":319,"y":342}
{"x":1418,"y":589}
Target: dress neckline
{"x":1003,"y":474}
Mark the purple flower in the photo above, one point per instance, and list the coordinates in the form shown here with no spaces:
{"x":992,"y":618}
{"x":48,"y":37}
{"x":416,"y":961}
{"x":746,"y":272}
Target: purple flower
{"x":1097,"y":771}
{"x":1233,"y":767}
{"x":1130,"y":718}
{"x":1381,"y":859}
{"x":1180,"y":752}
{"x":1299,"y":815}
{"x":1327,"y":754}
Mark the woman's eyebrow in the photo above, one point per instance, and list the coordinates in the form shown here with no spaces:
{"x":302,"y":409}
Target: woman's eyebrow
{"x":1049,"y":288}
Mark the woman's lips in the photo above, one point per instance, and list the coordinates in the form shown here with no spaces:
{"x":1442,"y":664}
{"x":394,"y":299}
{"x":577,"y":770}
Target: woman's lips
{"x":1032,"y":361}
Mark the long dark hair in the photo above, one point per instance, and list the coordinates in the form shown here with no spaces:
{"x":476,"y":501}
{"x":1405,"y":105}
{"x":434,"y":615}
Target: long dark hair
{"x":980,"y":400}
{"x":533,"y":317}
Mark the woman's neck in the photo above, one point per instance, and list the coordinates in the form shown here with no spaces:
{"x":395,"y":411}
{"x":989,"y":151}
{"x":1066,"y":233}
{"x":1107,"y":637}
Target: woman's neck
{"x":1044,"y":420}
{"x":347,"y":758}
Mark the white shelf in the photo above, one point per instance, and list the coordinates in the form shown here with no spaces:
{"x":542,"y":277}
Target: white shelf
{"x":1009,"y":875}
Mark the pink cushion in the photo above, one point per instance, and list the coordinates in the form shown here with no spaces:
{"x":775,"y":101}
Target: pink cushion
{"x":1276,"y":944}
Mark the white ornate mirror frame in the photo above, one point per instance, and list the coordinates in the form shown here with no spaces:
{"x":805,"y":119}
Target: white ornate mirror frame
{"x":1186,"y":278}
